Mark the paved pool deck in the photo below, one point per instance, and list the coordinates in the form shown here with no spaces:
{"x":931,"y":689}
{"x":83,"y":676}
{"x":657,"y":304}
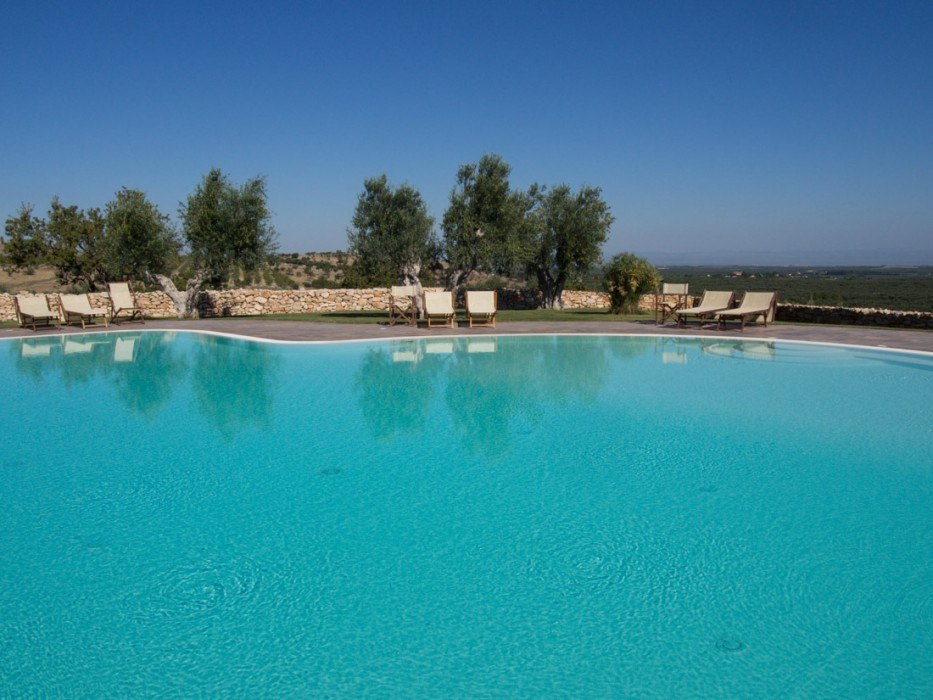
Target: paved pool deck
{"x":310,"y":331}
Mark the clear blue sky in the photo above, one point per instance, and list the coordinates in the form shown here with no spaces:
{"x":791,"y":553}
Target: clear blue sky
{"x":759,"y":126}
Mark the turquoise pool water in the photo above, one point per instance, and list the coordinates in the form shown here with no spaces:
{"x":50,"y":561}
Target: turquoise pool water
{"x":533,"y":516}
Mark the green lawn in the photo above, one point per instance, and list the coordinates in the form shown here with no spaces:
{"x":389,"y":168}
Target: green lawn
{"x":504,"y":316}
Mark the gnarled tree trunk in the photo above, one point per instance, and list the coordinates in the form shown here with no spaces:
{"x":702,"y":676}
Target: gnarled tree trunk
{"x":410,"y":277}
{"x":186,"y":303}
{"x":551,"y":289}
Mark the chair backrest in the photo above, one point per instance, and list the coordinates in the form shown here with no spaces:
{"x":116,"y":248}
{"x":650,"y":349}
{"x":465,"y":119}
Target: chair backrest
{"x":760,"y":300}
{"x":436,"y":303}
{"x":76,"y":303}
{"x":406,"y":290}
{"x":481,"y":302}
{"x":33,"y":305}
{"x":757,"y":300}
{"x":717,"y":300}
{"x":679,"y":289}
{"x":120,"y":295}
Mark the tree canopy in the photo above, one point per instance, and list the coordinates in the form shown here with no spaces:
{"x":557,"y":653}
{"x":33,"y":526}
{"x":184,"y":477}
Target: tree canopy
{"x":225,"y":226}
{"x":565,"y":236}
{"x":140,"y":240}
{"x":483,"y":225}
{"x":77,"y":248}
{"x":392,"y":235}
{"x":26,"y":242}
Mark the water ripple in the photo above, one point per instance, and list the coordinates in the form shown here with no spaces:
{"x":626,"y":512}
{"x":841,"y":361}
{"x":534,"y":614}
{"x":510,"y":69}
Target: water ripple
{"x":203,"y":589}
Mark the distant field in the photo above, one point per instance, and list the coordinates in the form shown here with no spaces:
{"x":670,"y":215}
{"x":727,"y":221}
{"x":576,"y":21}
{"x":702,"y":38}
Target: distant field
{"x":906,"y":289}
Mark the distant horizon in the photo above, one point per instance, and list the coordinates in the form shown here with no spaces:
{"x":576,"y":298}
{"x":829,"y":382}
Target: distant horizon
{"x":798,"y":258}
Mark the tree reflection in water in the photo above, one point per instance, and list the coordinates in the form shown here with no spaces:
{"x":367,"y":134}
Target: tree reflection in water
{"x":144,"y":381}
{"x":491,"y":395}
{"x":234,"y":382}
{"x":396,"y":386}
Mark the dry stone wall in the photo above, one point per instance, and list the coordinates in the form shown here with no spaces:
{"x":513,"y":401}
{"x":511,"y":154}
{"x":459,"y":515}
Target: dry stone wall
{"x":253,"y":302}
{"x":803,"y":313}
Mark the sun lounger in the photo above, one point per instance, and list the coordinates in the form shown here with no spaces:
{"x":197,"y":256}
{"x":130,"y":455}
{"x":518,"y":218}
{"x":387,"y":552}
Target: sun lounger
{"x":664,"y":309}
{"x":34,"y":311}
{"x":402,"y":305}
{"x":123,"y":303}
{"x":710,"y":304}
{"x":754,"y":306}
{"x":481,"y":308}
{"x":78,"y":307}
{"x":439,"y":305}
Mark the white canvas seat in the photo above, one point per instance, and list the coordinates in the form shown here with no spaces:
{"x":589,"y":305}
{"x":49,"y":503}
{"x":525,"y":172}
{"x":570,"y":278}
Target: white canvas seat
{"x":439,"y":307}
{"x":33,"y":310}
{"x":402,"y":306}
{"x":78,"y":307}
{"x":710,"y":304}
{"x":123,"y":303}
{"x":755,"y":306}
{"x":665,"y":308}
{"x":481,"y":308}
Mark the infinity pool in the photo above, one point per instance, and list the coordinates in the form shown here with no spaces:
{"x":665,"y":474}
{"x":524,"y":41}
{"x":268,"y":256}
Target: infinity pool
{"x":526,"y":516}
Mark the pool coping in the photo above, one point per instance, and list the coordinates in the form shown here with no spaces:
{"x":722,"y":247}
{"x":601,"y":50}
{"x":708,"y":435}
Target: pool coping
{"x":489,"y":332}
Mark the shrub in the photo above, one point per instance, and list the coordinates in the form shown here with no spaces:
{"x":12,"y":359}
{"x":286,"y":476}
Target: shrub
{"x":628,"y":277}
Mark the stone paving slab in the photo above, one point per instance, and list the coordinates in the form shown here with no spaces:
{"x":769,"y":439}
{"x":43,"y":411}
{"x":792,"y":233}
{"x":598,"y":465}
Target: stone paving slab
{"x":310,"y":331}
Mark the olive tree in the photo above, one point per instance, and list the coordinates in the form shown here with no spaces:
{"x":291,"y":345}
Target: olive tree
{"x":25,"y":243}
{"x":483,"y":223}
{"x":565,"y":233}
{"x":392,"y":235}
{"x":223,"y":227}
{"x":227,"y":226}
{"x":141,"y":243}
{"x":77,"y":248}
{"x":627,"y":278}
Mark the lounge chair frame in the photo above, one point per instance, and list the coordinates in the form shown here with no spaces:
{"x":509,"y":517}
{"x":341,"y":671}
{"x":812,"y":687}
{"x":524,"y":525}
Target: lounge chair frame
{"x":485,"y":319}
{"x":81,"y":316}
{"x":663,"y":310}
{"x":705,"y":314}
{"x":27,"y":319}
{"x":399,"y":312}
{"x":134,"y":312}
{"x":448,"y":317}
{"x":751,"y":316}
